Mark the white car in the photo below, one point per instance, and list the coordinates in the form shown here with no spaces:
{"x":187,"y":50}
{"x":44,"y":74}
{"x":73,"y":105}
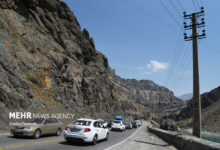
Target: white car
{"x":138,"y":122}
{"x":104,"y":124}
{"x":86,"y":130}
{"x":118,"y":125}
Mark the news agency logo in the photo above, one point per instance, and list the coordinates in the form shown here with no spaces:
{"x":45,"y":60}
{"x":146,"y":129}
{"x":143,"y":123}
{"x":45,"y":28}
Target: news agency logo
{"x":20,"y":115}
{"x":29,"y":115}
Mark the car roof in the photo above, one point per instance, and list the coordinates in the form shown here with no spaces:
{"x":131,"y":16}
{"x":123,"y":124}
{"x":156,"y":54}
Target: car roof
{"x":86,"y":119}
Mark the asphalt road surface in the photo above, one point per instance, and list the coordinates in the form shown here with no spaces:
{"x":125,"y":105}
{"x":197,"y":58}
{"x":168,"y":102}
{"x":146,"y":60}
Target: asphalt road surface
{"x":8,"y":142}
{"x":143,"y":140}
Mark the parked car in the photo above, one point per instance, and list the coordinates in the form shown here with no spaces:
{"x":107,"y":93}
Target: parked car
{"x":128,"y":124}
{"x":110,"y":123}
{"x":138,"y":122}
{"x":134,"y":124}
{"x":118,"y":125}
{"x":38,"y":127}
{"x":86,"y":130}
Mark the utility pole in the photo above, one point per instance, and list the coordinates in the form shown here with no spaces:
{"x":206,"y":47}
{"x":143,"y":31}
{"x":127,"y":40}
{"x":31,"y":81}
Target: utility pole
{"x":194,"y":17}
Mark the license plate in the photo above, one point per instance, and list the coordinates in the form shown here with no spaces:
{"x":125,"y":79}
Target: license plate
{"x":18,"y":132}
{"x":74,"y":130}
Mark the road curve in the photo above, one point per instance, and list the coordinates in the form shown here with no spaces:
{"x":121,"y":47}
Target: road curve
{"x":8,"y":142}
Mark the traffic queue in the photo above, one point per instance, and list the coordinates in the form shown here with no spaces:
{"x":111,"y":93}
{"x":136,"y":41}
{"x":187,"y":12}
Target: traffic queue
{"x":82,"y":130}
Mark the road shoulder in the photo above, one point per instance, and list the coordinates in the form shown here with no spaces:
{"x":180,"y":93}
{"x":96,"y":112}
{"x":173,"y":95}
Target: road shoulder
{"x":143,"y":140}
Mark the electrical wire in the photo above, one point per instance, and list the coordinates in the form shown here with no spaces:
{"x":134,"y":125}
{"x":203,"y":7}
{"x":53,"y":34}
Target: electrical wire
{"x":175,"y":61}
{"x":194,"y":5}
{"x":180,"y":5}
{"x":198,"y":4}
{"x":183,"y":65}
{"x":174,"y":6}
{"x":183,"y":72}
{"x":156,"y":18}
{"x":202,"y":4}
{"x":171,"y":15}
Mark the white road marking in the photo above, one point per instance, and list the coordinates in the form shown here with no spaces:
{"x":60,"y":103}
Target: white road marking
{"x":123,"y":140}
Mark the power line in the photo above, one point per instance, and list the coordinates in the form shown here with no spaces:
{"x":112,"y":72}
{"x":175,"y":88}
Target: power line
{"x":202,"y":4}
{"x":175,"y":61}
{"x":194,"y":5}
{"x":156,"y":18}
{"x":171,"y":15}
{"x":174,"y":6}
{"x":183,"y":72}
{"x":175,"y":52}
{"x":185,"y":68}
{"x":180,"y":5}
{"x":172,"y":75}
{"x":183,"y":64}
{"x":198,"y":3}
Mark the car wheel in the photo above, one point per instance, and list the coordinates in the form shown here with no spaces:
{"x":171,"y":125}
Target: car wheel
{"x":58,"y":132}
{"x":95,"y":139}
{"x":107,"y":136}
{"x":37,"y":134}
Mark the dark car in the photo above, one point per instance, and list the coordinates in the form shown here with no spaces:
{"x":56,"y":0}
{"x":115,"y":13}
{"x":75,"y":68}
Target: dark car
{"x":134,"y":124}
{"x":110,"y":123}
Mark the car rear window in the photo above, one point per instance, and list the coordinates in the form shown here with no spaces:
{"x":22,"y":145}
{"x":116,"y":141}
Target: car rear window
{"x":117,"y":121}
{"x":82,"y":122}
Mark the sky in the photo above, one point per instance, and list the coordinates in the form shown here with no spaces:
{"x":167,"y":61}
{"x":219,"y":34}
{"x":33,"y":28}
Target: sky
{"x":143,"y":39}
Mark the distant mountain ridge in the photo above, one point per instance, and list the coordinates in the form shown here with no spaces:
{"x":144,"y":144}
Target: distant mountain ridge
{"x":147,"y":93}
{"x":186,"y":97}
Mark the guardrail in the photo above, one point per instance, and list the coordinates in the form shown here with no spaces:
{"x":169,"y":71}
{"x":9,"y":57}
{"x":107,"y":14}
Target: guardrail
{"x":184,"y":142}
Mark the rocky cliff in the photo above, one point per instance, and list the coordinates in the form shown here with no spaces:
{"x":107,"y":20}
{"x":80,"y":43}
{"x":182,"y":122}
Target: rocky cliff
{"x":147,"y":94}
{"x":48,"y":63}
{"x":210,"y":104}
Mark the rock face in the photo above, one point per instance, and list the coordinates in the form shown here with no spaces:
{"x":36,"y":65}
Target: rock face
{"x":210,"y":103}
{"x":151,"y":96}
{"x":47,"y":63}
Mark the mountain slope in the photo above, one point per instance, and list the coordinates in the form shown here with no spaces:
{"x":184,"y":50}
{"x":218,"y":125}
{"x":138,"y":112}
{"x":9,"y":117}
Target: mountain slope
{"x":210,"y":103}
{"x":151,"y":96}
{"x":48,"y":64}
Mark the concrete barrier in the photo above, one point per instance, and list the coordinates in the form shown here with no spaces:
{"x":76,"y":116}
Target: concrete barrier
{"x":184,"y":142}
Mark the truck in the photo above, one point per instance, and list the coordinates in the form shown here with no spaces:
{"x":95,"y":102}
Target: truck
{"x":119,"y":118}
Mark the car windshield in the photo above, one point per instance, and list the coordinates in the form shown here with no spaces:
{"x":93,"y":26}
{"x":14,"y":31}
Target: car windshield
{"x":82,"y":122}
{"x":117,"y":121}
{"x":38,"y":120}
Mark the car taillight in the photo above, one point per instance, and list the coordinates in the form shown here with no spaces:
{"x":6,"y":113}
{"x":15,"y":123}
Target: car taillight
{"x":65,"y":128}
{"x":87,"y":130}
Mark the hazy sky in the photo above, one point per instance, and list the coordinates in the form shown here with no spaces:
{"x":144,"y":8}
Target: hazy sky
{"x":140,"y":37}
